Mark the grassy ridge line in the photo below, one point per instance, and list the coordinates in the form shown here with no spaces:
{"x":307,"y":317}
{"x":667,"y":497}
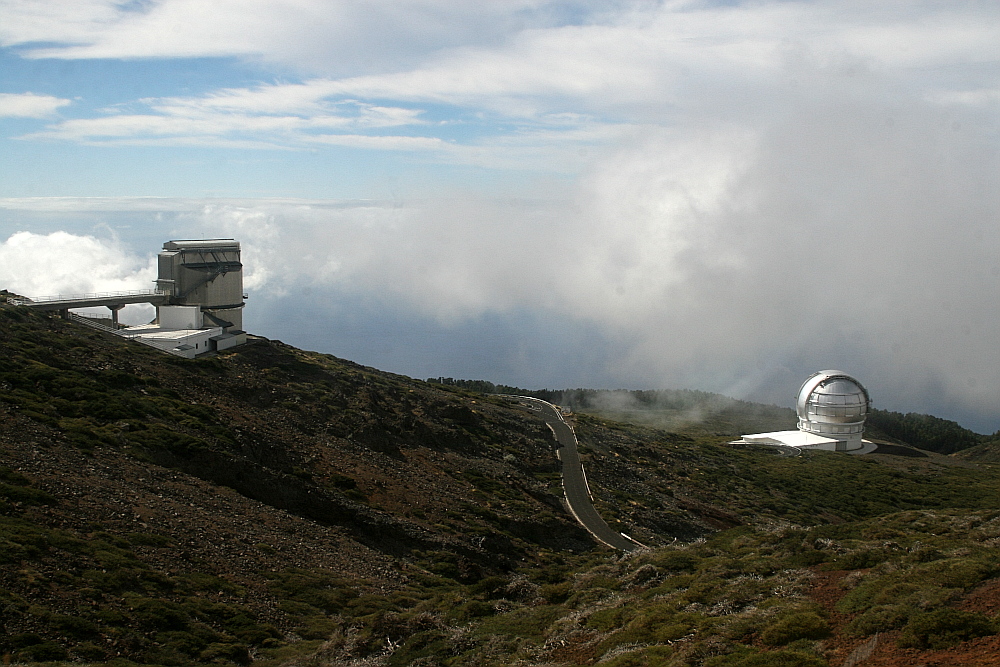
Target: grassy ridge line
{"x":674,"y":409}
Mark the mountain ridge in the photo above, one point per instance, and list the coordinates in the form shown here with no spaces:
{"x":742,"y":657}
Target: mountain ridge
{"x":281,"y":507}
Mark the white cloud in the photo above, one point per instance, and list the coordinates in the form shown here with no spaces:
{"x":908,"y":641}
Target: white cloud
{"x":38,"y":265}
{"x":396,"y":143}
{"x":61,"y":263}
{"x":856,"y":230}
{"x":337,"y":35}
{"x":612,"y":70}
{"x":29,"y":105}
{"x":279,"y":116}
{"x":316,"y":34}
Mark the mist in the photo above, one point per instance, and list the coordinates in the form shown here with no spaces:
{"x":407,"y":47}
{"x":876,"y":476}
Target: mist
{"x":724,"y":197}
{"x":855,"y":231}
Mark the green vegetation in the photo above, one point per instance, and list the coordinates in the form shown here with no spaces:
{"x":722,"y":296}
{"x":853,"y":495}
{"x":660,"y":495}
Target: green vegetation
{"x":741,"y":597}
{"x":923,"y":431}
{"x":943,"y":628}
{"x":454,"y":498}
{"x":112,"y":598}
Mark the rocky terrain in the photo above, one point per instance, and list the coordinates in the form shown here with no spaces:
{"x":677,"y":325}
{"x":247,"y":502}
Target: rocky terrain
{"x":276,"y":506}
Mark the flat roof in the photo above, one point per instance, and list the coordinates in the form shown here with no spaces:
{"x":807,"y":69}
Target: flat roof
{"x":791,"y":438}
{"x":195,"y":244}
{"x":175,"y":333}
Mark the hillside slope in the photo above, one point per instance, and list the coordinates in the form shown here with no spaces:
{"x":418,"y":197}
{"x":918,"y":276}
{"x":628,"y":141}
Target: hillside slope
{"x":252,"y":506}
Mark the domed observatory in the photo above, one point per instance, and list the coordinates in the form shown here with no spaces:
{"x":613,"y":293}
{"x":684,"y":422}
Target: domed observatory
{"x":831,"y":407}
{"x":832,"y":404}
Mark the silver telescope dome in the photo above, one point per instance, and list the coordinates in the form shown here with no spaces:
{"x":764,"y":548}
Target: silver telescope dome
{"x":834,"y":405}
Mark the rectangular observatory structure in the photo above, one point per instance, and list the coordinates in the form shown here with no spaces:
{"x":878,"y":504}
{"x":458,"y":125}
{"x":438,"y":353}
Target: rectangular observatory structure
{"x":206,"y":273}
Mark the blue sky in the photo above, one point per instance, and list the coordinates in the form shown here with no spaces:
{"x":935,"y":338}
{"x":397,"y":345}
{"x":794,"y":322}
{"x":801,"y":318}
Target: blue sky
{"x":723,"y":196}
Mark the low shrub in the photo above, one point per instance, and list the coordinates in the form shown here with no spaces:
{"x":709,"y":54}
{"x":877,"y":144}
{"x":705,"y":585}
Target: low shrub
{"x":556,"y":593}
{"x":43,"y":652}
{"x":942,"y":628}
{"x":653,"y":655}
{"x":532,"y":622}
{"x":73,"y":626}
{"x":89,"y":652}
{"x":862,"y":559}
{"x":221,"y":652}
{"x":798,"y":625}
{"x":880,"y":618}
{"x":782,"y":658}
{"x":676,"y":561}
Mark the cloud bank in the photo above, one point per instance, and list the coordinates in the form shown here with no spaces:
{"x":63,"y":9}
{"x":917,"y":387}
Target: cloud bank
{"x":856,"y":231}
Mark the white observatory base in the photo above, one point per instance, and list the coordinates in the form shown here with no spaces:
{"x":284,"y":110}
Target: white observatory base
{"x":180,"y":331}
{"x":831,"y":407}
{"x":804,"y":440}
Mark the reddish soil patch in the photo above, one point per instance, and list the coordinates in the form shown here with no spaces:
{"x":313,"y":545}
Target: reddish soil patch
{"x":982,"y":652}
{"x":577,"y":650}
{"x":985,"y":600}
{"x":827,"y":591}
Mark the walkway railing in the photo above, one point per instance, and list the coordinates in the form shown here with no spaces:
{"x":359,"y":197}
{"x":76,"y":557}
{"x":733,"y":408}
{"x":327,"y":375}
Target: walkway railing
{"x":95,"y":323}
{"x":81,"y":297}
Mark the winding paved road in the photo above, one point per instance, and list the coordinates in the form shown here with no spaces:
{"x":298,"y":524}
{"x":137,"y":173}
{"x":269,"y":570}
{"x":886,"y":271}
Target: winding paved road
{"x":577,"y":492}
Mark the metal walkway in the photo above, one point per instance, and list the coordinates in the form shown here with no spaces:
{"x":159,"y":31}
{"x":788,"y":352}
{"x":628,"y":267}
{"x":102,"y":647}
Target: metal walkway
{"x":96,"y":323}
{"x":107,"y":299}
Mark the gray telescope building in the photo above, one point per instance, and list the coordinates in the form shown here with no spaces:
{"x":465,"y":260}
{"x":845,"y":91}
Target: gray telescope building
{"x":199,"y":300}
{"x":207,"y":274}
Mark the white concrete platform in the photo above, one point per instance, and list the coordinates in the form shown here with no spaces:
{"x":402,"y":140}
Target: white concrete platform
{"x":804,"y":440}
{"x":182,"y":342}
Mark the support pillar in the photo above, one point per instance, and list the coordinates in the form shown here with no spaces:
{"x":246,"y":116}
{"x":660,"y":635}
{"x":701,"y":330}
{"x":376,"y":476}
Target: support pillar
{"x":114,"y":314}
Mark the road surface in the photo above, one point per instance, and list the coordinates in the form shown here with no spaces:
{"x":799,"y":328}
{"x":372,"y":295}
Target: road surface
{"x":575,"y":479}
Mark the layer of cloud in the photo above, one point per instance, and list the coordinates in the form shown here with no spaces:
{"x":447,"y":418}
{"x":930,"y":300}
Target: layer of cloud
{"x":29,"y":105}
{"x":280,"y":113}
{"x":319,"y":34}
{"x":547,"y":79}
{"x":736,"y":260}
{"x":322,"y":33}
{"x":305,"y":116}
